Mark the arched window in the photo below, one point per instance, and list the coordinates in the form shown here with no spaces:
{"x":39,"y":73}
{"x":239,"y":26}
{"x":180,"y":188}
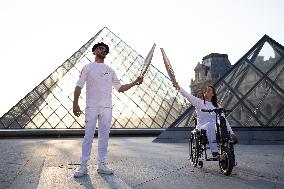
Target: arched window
{"x":199,"y":75}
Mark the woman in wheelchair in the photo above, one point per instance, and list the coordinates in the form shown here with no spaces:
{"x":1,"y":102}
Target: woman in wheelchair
{"x":206,"y":120}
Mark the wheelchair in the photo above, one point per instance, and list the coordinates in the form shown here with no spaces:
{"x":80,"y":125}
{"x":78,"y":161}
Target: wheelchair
{"x":198,"y":141}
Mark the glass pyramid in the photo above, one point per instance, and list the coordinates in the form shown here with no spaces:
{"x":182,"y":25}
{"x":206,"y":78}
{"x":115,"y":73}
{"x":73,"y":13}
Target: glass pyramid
{"x":153,"y":104}
{"x":253,"y":90}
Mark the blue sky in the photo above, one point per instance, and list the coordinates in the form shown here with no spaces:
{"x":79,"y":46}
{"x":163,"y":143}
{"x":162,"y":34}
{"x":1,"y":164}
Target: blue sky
{"x":37,"y":36}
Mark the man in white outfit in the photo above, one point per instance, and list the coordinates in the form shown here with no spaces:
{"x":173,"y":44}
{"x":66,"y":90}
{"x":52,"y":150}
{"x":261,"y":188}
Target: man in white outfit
{"x":99,"y":79}
{"x":206,"y":120}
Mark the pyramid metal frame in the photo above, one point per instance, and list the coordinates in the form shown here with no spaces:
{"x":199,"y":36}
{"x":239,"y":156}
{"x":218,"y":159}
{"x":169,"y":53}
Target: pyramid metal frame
{"x":252,"y":90}
{"x":153,"y":104}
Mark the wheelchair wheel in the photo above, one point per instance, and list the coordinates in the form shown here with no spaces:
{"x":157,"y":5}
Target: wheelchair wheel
{"x":226,"y":161}
{"x":231,"y":147}
{"x":193,"y":150}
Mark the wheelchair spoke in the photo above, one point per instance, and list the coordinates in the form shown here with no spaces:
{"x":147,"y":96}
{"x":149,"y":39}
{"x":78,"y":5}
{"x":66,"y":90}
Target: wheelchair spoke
{"x":195,"y":150}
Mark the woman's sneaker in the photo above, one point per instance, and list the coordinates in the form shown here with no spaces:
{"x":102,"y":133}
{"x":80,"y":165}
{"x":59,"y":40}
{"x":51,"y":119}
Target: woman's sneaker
{"x":103,"y":169}
{"x":81,"y":171}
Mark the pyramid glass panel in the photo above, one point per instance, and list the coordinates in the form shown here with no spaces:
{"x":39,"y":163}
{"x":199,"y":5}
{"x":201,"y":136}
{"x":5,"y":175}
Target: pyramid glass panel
{"x":248,"y":80}
{"x":261,"y":99}
{"x":153,"y":104}
{"x":266,"y":58}
{"x":253,"y":54}
{"x":188,"y":120}
{"x":279,"y":118}
{"x":277,"y":74}
{"x":227,"y":97}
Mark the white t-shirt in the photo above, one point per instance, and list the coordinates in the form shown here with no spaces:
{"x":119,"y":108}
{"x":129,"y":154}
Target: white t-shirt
{"x":204,"y":119}
{"x":99,"y":79}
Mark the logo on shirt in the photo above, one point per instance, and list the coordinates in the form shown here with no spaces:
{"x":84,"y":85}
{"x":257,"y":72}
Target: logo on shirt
{"x":106,"y":72}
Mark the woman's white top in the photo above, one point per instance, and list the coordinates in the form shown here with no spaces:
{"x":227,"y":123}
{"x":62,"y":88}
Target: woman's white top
{"x":99,"y":79}
{"x":204,"y":119}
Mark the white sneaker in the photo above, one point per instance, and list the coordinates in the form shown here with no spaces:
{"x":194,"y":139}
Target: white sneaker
{"x":81,"y":171}
{"x":103,"y":169}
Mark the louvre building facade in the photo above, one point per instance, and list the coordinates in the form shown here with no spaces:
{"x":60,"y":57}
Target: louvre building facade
{"x":252,"y":90}
{"x":153,"y":104}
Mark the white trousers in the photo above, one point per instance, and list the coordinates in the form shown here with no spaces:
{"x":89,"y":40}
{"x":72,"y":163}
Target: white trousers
{"x":103,"y":116}
{"x":211,"y":136}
